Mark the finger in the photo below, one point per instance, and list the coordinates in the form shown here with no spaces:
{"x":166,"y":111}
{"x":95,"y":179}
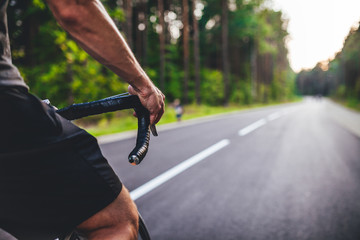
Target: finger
{"x":159,"y":115}
{"x":131,"y":90}
{"x":152,"y":119}
{"x":157,"y":119}
{"x":162,"y":110}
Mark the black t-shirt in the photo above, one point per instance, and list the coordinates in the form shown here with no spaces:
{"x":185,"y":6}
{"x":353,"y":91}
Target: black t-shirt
{"x":9,"y":74}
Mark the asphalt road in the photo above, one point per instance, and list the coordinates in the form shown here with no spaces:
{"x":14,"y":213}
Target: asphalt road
{"x":295,"y":176}
{"x":285,"y":172}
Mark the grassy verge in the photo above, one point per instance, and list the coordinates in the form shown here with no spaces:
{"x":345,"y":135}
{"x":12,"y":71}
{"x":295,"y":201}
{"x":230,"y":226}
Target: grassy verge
{"x":124,"y":120}
{"x":351,"y":103}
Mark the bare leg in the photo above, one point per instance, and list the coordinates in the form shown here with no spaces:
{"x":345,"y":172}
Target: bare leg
{"x":117,"y":221}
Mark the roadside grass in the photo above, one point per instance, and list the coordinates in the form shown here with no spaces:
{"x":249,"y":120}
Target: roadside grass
{"x":351,"y":103}
{"x":125,"y":121}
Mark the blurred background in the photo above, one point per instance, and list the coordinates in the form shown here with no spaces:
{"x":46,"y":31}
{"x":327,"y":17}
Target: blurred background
{"x":211,"y":52}
{"x":202,"y":51}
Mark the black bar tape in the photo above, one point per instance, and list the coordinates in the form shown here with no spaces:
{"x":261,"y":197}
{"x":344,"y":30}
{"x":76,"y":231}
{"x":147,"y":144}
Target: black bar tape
{"x":80,"y":110}
{"x":111,"y":104}
{"x":143,"y":136}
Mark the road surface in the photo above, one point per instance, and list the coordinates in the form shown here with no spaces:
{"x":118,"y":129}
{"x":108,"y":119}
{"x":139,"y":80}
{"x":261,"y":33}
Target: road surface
{"x":284,"y":172}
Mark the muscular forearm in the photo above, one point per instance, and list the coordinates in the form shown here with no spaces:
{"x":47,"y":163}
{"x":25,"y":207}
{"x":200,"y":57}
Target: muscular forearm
{"x":89,"y":24}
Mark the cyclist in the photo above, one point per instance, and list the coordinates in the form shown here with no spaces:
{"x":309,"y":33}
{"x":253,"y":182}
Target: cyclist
{"x":53,"y":177}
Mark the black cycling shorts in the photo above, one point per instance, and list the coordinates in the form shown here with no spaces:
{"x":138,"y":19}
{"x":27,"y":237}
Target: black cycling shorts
{"x":53,"y":175}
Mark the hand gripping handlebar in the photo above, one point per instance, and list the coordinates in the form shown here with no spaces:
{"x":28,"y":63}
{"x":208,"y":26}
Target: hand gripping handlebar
{"x":114,"y":103}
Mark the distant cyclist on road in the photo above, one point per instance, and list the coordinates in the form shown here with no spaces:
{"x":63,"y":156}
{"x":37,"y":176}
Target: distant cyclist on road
{"x":53,"y":177}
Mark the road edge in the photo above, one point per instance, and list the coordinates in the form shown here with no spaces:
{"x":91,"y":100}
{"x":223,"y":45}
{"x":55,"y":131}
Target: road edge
{"x":347,"y":118}
{"x":109,"y":138}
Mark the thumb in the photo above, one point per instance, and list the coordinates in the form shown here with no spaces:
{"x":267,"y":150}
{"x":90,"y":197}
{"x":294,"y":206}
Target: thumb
{"x":131,"y":90}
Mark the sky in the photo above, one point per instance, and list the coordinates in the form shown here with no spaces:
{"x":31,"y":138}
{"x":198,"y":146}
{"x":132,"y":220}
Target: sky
{"x":317,"y":28}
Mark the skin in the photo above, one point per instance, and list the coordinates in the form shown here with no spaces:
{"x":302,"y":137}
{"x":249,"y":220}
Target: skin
{"x":117,"y":221}
{"x":90,"y":25}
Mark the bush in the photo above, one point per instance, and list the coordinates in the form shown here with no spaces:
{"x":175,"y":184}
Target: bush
{"x":212,"y":87}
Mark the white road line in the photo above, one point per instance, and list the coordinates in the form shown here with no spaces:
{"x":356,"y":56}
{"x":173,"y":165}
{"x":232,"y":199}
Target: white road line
{"x":164,"y":177}
{"x":252,"y":127}
{"x":263,"y":121}
{"x":273,"y":116}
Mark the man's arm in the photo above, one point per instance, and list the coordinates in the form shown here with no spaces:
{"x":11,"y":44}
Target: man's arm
{"x":90,"y":25}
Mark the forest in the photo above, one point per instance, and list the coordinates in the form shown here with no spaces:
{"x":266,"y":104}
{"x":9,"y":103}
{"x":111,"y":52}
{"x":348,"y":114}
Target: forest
{"x":338,"y":77}
{"x":212,"y":52}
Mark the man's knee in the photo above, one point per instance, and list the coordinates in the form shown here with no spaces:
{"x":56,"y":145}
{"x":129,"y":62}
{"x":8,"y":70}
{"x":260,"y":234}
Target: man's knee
{"x":120,"y":218}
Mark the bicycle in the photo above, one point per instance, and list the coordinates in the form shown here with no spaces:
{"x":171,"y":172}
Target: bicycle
{"x":110,"y":104}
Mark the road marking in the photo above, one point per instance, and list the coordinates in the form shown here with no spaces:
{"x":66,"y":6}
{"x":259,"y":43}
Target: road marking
{"x":164,"y":177}
{"x":252,"y":127}
{"x":263,"y":121}
{"x":273,"y":116}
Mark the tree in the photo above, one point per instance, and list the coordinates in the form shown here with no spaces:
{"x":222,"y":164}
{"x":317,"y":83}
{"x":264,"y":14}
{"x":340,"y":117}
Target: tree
{"x":162,"y":44}
{"x":55,"y":66}
{"x":185,"y":15}
{"x":339,"y":76}
{"x":196,"y":53}
{"x":144,"y":33}
{"x":225,"y":49}
{"x":128,"y":23}
{"x":141,"y":29}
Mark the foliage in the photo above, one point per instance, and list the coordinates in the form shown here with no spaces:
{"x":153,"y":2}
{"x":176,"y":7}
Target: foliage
{"x":55,"y":67}
{"x":212,"y":87}
{"x":243,"y":95}
{"x":340,"y":77}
